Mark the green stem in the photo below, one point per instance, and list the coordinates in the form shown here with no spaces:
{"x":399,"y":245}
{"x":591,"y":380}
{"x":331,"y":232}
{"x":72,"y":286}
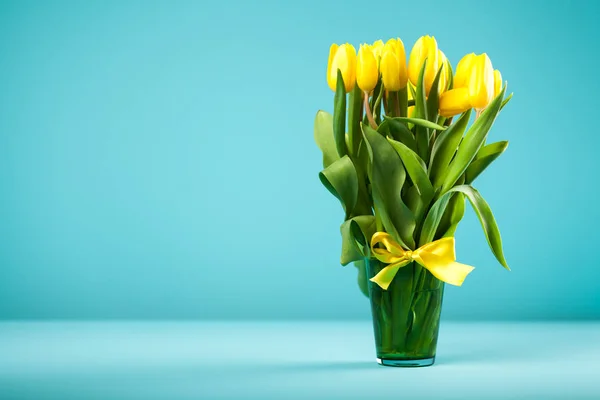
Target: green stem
{"x":401,"y":300}
{"x":376,"y":102}
{"x":432,"y":313}
{"x":403,"y":102}
{"x":393,"y":108}
{"x":354,"y":118}
{"x":388,"y":318}
{"x":339,"y":116}
{"x":372,"y":122}
{"x":426,"y":305}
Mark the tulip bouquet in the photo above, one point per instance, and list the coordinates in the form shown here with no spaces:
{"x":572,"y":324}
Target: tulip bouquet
{"x":401,"y":152}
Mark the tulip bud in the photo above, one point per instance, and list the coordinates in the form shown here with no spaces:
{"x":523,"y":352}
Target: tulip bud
{"x":367,"y":73}
{"x":475,"y":86}
{"x":343,"y":58}
{"x":377,"y":50}
{"x":463,"y":71}
{"x":454,"y":102}
{"x":424,"y":48}
{"x":497,"y":82}
{"x":445,"y":65}
{"x":481,"y":82}
{"x":393,"y":65}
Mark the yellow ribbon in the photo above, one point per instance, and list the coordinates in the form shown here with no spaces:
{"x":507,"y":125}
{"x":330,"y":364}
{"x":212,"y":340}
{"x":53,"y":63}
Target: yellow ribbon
{"x":438,"y":257}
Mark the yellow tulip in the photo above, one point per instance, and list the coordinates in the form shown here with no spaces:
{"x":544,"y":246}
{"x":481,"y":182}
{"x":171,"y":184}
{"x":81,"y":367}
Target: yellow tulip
{"x":481,"y":82}
{"x":424,"y":48}
{"x":497,"y":82}
{"x":445,"y":65}
{"x":393,"y":65}
{"x":367,"y":73}
{"x":474,"y":86}
{"x":377,"y":49}
{"x":343,"y":58}
{"x":454,"y":102}
{"x":463,"y":71}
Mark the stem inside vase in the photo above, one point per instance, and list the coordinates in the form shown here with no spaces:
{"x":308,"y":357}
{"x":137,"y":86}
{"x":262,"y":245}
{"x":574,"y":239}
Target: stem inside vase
{"x":406,"y":315}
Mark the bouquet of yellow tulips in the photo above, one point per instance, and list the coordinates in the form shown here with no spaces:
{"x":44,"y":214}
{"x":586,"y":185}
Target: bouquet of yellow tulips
{"x":401,"y":151}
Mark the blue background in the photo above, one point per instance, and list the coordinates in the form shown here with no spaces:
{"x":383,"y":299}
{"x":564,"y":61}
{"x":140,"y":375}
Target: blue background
{"x":138,"y":140}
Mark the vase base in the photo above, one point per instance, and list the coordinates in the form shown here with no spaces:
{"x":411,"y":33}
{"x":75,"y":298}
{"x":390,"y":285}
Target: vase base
{"x":423,"y":362}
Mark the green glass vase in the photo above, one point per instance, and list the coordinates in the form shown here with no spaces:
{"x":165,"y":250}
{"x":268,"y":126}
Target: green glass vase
{"x":406,"y":316}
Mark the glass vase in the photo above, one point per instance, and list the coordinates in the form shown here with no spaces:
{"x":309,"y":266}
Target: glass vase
{"x":406,"y":316}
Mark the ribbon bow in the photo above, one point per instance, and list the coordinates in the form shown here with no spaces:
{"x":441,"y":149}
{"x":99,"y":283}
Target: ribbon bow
{"x":438,"y":257}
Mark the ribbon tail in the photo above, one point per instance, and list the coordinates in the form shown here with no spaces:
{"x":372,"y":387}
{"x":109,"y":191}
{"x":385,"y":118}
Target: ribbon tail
{"x":387,"y":274}
{"x":453,"y":273}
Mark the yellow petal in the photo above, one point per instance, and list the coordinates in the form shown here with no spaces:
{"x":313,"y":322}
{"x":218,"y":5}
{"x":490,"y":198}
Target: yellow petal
{"x":331,"y":77}
{"x":401,"y":56}
{"x":497,"y":82}
{"x":350,"y":75}
{"x":367,"y":73}
{"x":454,"y":102}
{"x":378,"y":49}
{"x":444,"y":63}
{"x":481,"y":82}
{"x":415,"y":61}
{"x":463,"y":71}
{"x":408,"y":89}
{"x":425,"y":48}
{"x":433,"y":63}
{"x":344,"y":59}
{"x":390,"y":68}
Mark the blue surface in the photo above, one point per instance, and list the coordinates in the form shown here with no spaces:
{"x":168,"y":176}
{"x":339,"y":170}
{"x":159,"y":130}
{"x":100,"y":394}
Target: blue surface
{"x":292,"y":360}
{"x":137,"y":137}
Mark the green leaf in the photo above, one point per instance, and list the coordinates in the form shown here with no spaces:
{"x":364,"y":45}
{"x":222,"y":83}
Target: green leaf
{"x":413,"y":200}
{"x":375,"y":102}
{"x":393,"y":105}
{"x":453,"y":214}
{"x":399,"y":131}
{"x":506,"y":100}
{"x":339,"y":116}
{"x":417,"y":121}
{"x":341,"y":180}
{"x":416,"y":170}
{"x":472,"y":142}
{"x":444,"y":148}
{"x":403,"y":101}
{"x":433,"y":218}
{"x":485,"y":156}
{"x":450,"y":77}
{"x":363,"y":282}
{"x":354,"y":119}
{"x":413,"y":93}
{"x":483,"y":211}
{"x":419,"y":94}
{"x":387,"y":176}
{"x":433,"y":100}
{"x":356,"y":235}
{"x":421,"y":132}
{"x":324,"y":137}
{"x":364,"y":203}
